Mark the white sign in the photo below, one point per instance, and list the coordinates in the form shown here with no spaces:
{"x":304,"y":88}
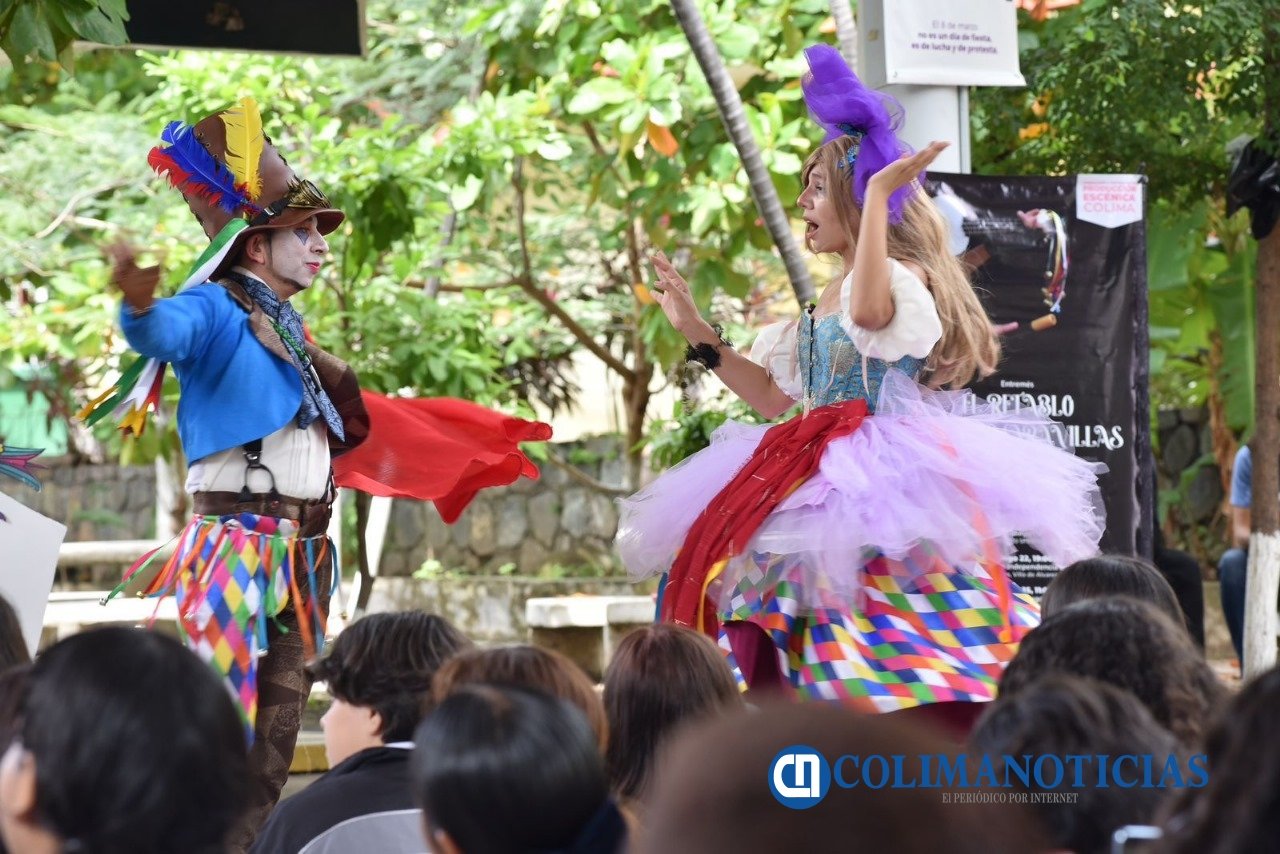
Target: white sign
{"x":29,"y":546}
{"x":1109,"y":200}
{"x":952,"y":42}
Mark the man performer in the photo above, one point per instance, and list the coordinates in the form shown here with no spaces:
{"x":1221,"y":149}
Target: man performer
{"x":263,"y":411}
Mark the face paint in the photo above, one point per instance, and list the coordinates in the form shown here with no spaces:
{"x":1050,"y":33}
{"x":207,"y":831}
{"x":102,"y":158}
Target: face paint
{"x":295,"y":260}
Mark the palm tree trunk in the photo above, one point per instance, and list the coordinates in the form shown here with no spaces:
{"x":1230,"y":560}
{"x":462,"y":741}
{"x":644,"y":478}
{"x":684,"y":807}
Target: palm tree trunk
{"x":846,"y":30}
{"x":735,"y":122}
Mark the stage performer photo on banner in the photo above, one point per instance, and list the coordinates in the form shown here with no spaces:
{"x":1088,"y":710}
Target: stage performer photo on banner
{"x":271,"y":425}
{"x":1066,"y":291}
{"x":857,"y":550}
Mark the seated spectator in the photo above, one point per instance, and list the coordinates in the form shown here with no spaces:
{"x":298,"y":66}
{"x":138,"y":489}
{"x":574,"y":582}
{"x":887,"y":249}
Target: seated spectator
{"x":531,"y":667}
{"x":504,"y":770}
{"x":712,"y":794}
{"x":379,"y":672}
{"x":1067,"y":715}
{"x":128,"y":743}
{"x":1185,"y":577}
{"x":1181,"y":570}
{"x":13,"y":648}
{"x":1131,"y":645}
{"x":1233,"y":566}
{"x":1239,"y":809}
{"x":660,"y":677}
{"x":1111,"y":575}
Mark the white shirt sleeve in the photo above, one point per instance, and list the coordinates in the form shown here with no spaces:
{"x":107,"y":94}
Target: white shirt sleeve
{"x":775,"y":350}
{"x":914,"y":329}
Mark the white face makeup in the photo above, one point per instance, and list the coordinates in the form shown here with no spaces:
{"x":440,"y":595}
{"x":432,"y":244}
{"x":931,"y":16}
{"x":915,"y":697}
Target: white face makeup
{"x":294,"y":255}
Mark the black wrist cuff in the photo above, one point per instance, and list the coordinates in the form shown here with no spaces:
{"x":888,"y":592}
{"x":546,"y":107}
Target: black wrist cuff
{"x":707,"y":355}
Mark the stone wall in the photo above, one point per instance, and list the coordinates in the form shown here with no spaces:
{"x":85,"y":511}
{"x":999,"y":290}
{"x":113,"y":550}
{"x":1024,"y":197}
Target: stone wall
{"x":1196,"y":522}
{"x":95,"y":502}
{"x":555,"y":520}
{"x":490,"y":609}
{"x":1183,"y":438}
{"x":530,"y":525}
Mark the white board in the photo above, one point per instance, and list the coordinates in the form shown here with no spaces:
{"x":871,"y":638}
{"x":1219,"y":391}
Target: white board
{"x":951,"y":42}
{"x":29,"y":546}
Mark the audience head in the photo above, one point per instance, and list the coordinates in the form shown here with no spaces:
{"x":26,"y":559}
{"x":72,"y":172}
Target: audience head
{"x":526,"y":667}
{"x":505,"y":770}
{"x":712,"y":793}
{"x":379,"y":672}
{"x":128,"y":744}
{"x":1068,"y":715}
{"x":1131,"y":645}
{"x":1239,"y":809}
{"x":1111,"y":575}
{"x":13,"y":693}
{"x":660,"y":677}
{"x":13,"y":647}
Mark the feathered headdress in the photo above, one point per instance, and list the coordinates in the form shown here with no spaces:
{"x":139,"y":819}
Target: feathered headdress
{"x":190,"y":168}
{"x":843,"y":106}
{"x":244,"y":146}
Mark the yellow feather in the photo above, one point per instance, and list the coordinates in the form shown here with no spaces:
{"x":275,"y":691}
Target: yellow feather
{"x":244,"y":145}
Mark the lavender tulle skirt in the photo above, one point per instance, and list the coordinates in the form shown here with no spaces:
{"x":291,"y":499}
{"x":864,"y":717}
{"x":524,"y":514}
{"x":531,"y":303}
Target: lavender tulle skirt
{"x":936,"y":470}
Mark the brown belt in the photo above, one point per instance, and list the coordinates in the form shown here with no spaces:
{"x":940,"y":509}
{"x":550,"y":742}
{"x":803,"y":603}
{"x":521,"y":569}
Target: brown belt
{"x":311,"y":514}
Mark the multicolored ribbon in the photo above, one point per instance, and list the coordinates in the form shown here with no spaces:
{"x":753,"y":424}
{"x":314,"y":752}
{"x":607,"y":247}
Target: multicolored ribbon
{"x":137,"y":391}
{"x":231,"y":575}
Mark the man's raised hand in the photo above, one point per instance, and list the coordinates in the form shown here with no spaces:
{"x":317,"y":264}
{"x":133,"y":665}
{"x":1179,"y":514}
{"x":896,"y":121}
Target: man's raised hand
{"x":137,"y":284}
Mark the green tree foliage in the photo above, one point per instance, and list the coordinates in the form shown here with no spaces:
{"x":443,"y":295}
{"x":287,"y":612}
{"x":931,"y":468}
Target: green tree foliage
{"x":592,"y":138}
{"x":45,"y":29}
{"x":1160,"y":88}
{"x":1148,"y":86}
{"x":505,"y":168}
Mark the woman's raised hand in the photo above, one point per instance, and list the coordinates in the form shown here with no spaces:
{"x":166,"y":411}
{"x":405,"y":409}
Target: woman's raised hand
{"x":905,"y":169}
{"x":671,"y":292}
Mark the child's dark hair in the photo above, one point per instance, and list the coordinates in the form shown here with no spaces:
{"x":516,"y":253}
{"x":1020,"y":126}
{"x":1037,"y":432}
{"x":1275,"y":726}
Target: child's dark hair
{"x":1111,"y":575}
{"x":503,"y":769}
{"x":386,"y":662}
{"x":138,"y":747}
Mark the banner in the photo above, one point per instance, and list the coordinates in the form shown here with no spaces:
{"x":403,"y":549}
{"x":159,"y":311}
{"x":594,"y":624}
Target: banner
{"x":1060,"y":266}
{"x":951,"y":42}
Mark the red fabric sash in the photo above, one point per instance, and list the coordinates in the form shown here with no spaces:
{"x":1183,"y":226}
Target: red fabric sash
{"x":437,"y":449}
{"x":787,"y":456}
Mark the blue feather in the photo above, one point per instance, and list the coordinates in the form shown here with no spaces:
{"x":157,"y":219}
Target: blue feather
{"x":21,"y":475}
{"x":206,"y":173}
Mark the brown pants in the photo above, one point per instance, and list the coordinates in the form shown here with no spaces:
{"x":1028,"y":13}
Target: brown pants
{"x":283,"y":689}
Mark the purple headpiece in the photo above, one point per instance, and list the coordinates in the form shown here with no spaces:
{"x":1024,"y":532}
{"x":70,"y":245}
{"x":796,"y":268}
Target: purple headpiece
{"x":839,"y":102}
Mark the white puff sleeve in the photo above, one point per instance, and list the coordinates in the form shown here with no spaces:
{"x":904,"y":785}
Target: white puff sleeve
{"x":914,"y":329}
{"x":775,"y":350}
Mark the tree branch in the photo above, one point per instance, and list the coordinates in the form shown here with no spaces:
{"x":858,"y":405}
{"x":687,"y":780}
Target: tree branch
{"x":585,"y":479}
{"x":527,"y":284}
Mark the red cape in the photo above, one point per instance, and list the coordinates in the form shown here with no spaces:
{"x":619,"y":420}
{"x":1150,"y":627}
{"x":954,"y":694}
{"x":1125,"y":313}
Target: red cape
{"x":437,"y":449}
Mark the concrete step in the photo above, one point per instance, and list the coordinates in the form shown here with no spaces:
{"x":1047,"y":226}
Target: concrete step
{"x":308,"y":756}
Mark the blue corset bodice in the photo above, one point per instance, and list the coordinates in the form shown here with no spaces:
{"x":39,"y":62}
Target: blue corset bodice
{"x":831,"y":367}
